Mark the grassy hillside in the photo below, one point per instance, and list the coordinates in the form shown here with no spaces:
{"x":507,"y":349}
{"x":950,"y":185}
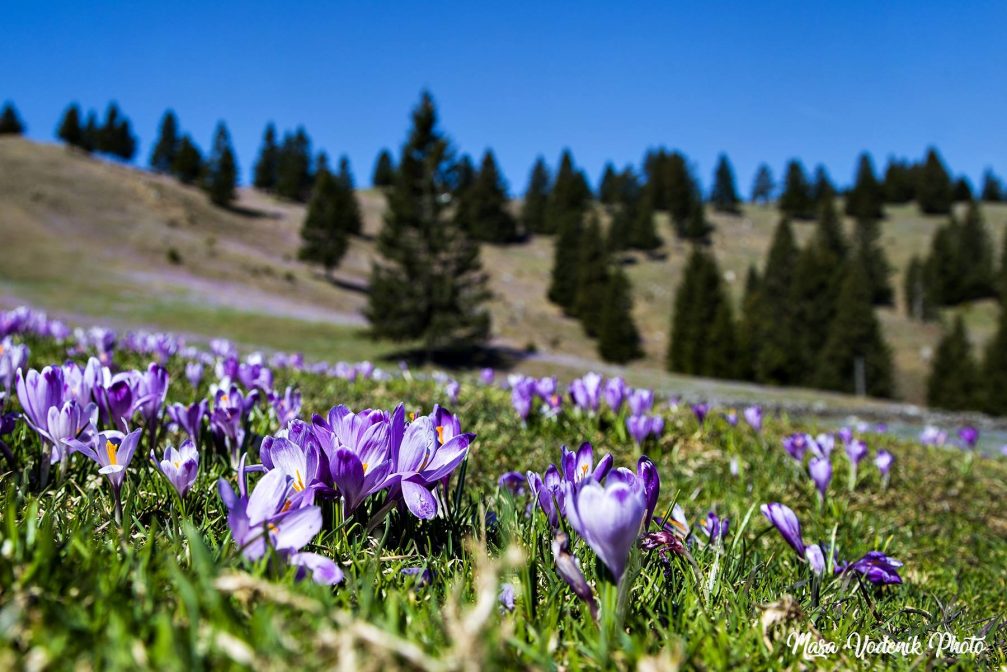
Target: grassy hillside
{"x":93,"y":241}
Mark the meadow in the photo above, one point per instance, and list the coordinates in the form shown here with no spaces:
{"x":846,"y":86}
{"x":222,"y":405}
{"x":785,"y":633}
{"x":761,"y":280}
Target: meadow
{"x":442,"y":540}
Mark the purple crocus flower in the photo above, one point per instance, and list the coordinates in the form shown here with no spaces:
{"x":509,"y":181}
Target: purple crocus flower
{"x":877,"y":568}
{"x":115,"y":396}
{"x":513,"y":482}
{"x":609,"y":517}
{"x":586,"y":391}
{"x":856,"y":450}
{"x":823,"y":445}
{"x":615,"y":393}
{"x":38,"y":392}
{"x":286,"y":407}
{"x":452,"y":388}
{"x":579,"y":466}
{"x":506,"y":597}
{"x":423,"y":575}
{"x":423,"y":460}
{"x":700,"y":411}
{"x":845,"y":434}
{"x":638,"y":427}
{"x":522,"y":396}
{"x":179,"y":466}
{"x":547,"y":492}
{"x":786,"y":523}
{"x":640,"y":401}
{"x":568,"y":568}
{"x":715,"y":527}
{"x":883,"y":461}
{"x":646,"y":473}
{"x":932,"y":436}
{"x":969,"y":436}
{"x":815,"y":558}
{"x":194,"y":373}
{"x":487,"y":375}
{"x":227,"y":420}
{"x":12,"y":358}
{"x":69,"y":421}
{"x":753,"y":416}
{"x":299,"y":464}
{"x":820,"y":469}
{"x":796,"y":445}
{"x":151,"y":392}
{"x":112,"y":451}
{"x":189,"y":418}
{"x":546,"y":387}
{"x":732,"y":417}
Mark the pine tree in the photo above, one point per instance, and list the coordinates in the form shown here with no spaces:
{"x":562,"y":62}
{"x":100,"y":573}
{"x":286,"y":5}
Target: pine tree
{"x":10,"y":122}
{"x":347,"y":206}
{"x":934,"y":192}
{"x":945,"y":267}
{"x":384,"y":170}
{"x":995,"y":369}
{"x":188,"y":164}
{"x":536,"y":199}
{"x":822,"y":188}
{"x":702,"y":340}
{"x":697,"y":227}
{"x":324,"y":234}
{"x":962,"y":190}
{"x":566,"y":254}
{"x":90,"y":140}
{"x":866,"y":199}
{"x":975,"y":248}
{"x":463,"y":175}
{"x":953,"y":383}
{"x":293,"y":166}
{"x":592,"y":278}
{"x":640,"y":217}
{"x":763,"y":185}
{"x":266,"y":166}
{"x":778,"y":359}
{"x":655,"y":169}
{"x":992,"y":191}
{"x":920,"y":304}
{"x":428,"y":284}
{"x":868,"y":246}
{"x":569,"y":198}
{"x":683,"y":196}
{"x":618,"y":340}
{"x":70,"y":130}
{"x":221,"y":175}
{"x":162,"y":158}
{"x":855,"y":357}
{"x":483,"y":206}
{"x":900,"y":182}
{"x":609,"y":188}
{"x":115,"y":137}
{"x":796,"y":200}
{"x":724,"y":195}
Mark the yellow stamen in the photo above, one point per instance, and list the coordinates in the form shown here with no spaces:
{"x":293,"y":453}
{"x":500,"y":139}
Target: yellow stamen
{"x":365,"y":467}
{"x":298,"y":481}
{"x":224,"y":399}
{"x":412,"y":416}
{"x":440,"y":434}
{"x":111,"y":449}
{"x":177,"y":464}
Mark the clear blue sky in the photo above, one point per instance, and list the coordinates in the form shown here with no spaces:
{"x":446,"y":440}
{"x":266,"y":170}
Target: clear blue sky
{"x":761,"y":81}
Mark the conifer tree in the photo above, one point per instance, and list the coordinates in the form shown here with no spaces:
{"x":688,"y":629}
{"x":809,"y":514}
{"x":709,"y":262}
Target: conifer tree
{"x":934,"y":192}
{"x":899,"y":185}
{"x":221,"y":175}
{"x":975,"y":249}
{"x":953,"y":383}
{"x":324,"y":234}
{"x":855,"y":357}
{"x":162,"y":158}
{"x":609,"y":188}
{"x":796,"y":200}
{"x":115,"y":137}
{"x":188,"y":164}
{"x":384,"y":170}
{"x":748,"y":328}
{"x":866,"y":199}
{"x":724,"y":195}
{"x":483,"y":206}
{"x":1002,"y":275}
{"x":962,"y":190}
{"x":778,"y":359}
{"x":683,"y":195}
{"x":619,"y":339}
{"x":763,"y":185}
{"x":428,"y":284}
{"x":10,"y":122}
{"x":722,"y":347}
{"x":267,"y":164}
{"x":463,"y":175}
{"x":347,"y":206}
{"x":592,"y":278}
{"x":566,"y":254}
{"x":70,"y":130}
{"x":293,"y":166}
{"x":822,"y":188}
{"x":697,"y":227}
{"x":655,"y":169}
{"x":91,"y":134}
{"x":992,"y":190}
{"x":995,"y":370}
{"x":640,"y":216}
{"x":875,"y":263}
{"x":945,"y":266}
{"x":702,"y":340}
{"x":569,"y":197}
{"x":920,"y":304}
{"x":536,"y":199}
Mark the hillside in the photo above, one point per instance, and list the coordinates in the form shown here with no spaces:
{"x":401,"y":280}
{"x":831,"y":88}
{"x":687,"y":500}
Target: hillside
{"x":98,"y":241}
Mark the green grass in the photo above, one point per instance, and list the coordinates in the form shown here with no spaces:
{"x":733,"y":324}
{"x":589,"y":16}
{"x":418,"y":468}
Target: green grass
{"x":168,"y":590}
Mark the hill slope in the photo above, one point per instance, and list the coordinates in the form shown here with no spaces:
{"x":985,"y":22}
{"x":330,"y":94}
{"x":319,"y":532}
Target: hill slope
{"x":92,"y":240}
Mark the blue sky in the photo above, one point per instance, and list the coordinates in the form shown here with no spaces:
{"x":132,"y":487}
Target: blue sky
{"x":761,"y":81}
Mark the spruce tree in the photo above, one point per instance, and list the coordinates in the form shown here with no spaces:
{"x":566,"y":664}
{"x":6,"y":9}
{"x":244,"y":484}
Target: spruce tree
{"x":266,"y":165}
{"x":428,"y":284}
{"x":618,"y":339}
{"x":899,"y":185}
{"x":324,"y":234}
{"x":639,"y":212}
{"x":934,"y":191}
{"x":697,"y":227}
{"x":683,"y":195}
{"x":115,"y":137}
{"x":90,"y":140}
{"x":483,"y":206}
{"x":748,"y":346}
{"x":778,"y":360}
{"x":221,"y":175}
{"x":293,"y":166}
{"x":702,"y":340}
{"x":763,"y":185}
{"x":10,"y":122}
{"x":566,"y":254}
{"x":867,"y":243}
{"x":722,"y":348}
{"x":945,"y":267}
{"x":609,"y":188}
{"x":655,"y":169}
{"x":347,"y":206}
{"x":70,"y":130}
{"x":975,"y":249}
{"x":855,"y":357}
{"x":962,"y":190}
{"x":796,"y":201}
{"x":569,"y":198}
{"x":866,"y":199}
{"x":724,"y":195}
{"x":188,"y":164}
{"x":917,"y":288}
{"x":954,"y":383}
{"x":592,"y":278}
{"x":536,"y":199}
{"x":384,"y":170}
{"x":822,"y":188}
{"x":992,"y":190}
{"x":165,"y":151}
{"x":995,"y":370}
{"x":463,"y":175}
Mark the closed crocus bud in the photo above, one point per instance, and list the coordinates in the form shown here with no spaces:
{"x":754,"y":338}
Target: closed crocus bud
{"x":969,"y":436}
{"x":883,"y":461}
{"x":753,"y":416}
{"x":568,"y":569}
{"x":786,"y":523}
{"x":813,"y":554}
{"x":856,"y":450}
{"x":821,"y":473}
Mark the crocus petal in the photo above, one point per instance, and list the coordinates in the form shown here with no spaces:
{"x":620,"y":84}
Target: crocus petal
{"x":323,"y":570}
{"x":419,"y":500}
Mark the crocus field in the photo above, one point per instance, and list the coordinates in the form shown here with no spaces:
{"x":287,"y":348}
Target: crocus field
{"x":173,"y":507}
